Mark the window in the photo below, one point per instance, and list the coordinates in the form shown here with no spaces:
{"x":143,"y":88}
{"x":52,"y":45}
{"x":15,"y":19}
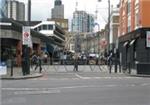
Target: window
{"x":58,"y":23}
{"x":63,"y":25}
{"x":116,"y":19}
{"x":44,"y":27}
{"x":129,"y":7}
{"x":136,"y":19}
{"x":50,"y":27}
{"x":136,"y":2}
{"x":129,"y":28}
{"x":129,"y":23}
{"x":36,"y":29}
{"x":39,"y":28}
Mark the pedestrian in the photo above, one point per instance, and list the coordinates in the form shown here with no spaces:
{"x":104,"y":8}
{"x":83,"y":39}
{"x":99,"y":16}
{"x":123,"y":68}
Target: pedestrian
{"x":38,"y":63}
{"x":110,"y":61}
{"x":45,"y":58}
{"x":75,"y":64}
{"x":33,"y":60}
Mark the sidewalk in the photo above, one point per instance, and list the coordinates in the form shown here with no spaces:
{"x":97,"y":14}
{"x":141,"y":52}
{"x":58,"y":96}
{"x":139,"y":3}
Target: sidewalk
{"x":17,"y":74}
{"x":134,"y":74}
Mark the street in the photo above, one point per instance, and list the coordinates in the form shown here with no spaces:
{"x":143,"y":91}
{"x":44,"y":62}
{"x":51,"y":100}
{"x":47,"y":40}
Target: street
{"x":74,"y":52}
{"x":77,"y":88}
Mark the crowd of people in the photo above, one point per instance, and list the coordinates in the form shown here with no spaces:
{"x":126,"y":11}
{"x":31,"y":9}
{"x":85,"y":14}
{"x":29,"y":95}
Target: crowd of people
{"x":104,"y":59}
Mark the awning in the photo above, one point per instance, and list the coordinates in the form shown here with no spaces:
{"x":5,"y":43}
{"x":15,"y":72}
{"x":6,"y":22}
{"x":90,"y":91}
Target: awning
{"x":132,"y":42}
{"x":125,"y":43}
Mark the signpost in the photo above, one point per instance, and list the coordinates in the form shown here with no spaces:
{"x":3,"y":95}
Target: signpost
{"x":27,"y":43}
{"x":26,"y":36}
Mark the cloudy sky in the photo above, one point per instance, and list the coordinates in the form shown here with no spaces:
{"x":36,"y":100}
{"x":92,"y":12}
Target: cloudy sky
{"x":41,"y":9}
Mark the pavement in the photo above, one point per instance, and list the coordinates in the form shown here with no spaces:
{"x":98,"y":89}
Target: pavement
{"x":17,"y":74}
{"x":51,"y":69}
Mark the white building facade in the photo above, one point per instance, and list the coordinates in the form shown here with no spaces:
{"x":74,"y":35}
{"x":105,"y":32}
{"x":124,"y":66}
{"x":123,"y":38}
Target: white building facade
{"x":16,"y":10}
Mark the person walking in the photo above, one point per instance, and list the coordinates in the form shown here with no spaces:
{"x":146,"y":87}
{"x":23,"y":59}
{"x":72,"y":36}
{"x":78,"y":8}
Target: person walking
{"x":110,"y":61}
{"x":38,"y":63}
{"x":33,"y":60}
{"x":75,"y":64}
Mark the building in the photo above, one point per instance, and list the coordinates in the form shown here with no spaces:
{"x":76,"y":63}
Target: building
{"x":91,"y":22}
{"x":58,"y":10}
{"x":16,"y":10}
{"x":58,"y":16}
{"x":114,"y":25}
{"x":54,"y":31}
{"x":3,"y":9}
{"x":82,"y":22}
{"x":63,"y":23}
{"x":11,"y":40}
{"x":134,"y":32}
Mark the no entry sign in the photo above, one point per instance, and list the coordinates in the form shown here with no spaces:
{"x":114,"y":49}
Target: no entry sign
{"x":26,"y":36}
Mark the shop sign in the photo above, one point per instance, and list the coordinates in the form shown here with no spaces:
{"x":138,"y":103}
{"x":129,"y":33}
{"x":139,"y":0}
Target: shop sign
{"x":148,"y":39}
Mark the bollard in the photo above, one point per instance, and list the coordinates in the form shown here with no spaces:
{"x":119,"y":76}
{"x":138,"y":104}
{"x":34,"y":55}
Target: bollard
{"x":11,"y":67}
{"x":115,"y":67}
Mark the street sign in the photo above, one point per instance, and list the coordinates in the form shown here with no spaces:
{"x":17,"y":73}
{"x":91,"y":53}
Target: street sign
{"x":148,"y":39}
{"x":3,"y":68}
{"x":103,"y":42}
{"x":27,"y":40}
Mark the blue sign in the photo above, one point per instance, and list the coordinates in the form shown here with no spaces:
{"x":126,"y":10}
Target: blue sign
{"x":3,"y":68}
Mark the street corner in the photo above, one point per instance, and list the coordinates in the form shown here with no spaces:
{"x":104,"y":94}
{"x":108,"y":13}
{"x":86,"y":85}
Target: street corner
{"x":35,"y":75}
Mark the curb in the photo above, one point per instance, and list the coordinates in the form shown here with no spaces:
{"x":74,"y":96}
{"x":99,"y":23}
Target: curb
{"x":138,"y":75}
{"x":37,"y":75}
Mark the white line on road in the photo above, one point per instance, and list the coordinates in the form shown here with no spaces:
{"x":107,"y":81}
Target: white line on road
{"x":31,"y":91}
{"x":107,"y":77}
{"x":36,"y":92}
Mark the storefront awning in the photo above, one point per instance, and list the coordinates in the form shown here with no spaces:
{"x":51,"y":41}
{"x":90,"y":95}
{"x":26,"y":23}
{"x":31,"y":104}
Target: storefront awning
{"x":125,"y":43}
{"x":132,"y":42}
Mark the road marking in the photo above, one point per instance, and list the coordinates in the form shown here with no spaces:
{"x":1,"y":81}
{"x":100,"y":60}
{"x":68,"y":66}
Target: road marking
{"x":77,"y":75}
{"x":81,"y":77}
{"x":36,"y":92}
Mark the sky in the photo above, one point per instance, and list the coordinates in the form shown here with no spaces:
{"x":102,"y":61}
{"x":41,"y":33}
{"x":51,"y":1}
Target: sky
{"x":41,"y":9}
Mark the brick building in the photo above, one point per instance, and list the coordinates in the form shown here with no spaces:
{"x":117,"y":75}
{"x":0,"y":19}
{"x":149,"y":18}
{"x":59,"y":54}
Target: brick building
{"x":133,"y":30}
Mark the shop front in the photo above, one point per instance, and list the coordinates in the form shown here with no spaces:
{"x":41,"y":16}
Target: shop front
{"x":133,"y":49}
